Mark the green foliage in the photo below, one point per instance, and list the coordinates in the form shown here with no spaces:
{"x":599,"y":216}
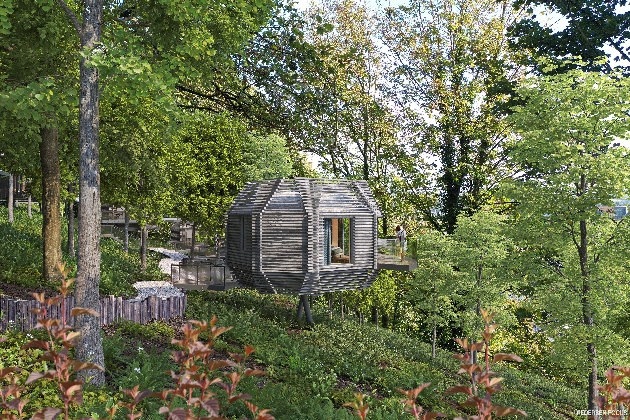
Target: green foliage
{"x":21,"y":248}
{"x":482,"y":249}
{"x":375,"y":361}
{"x":207,"y":172}
{"x":451,"y":70}
{"x":152,"y":331}
{"x":149,"y":370}
{"x":581,"y":34}
{"x":434,"y":293}
{"x":119,"y":269}
{"x":265,"y":157}
{"x":572,"y":251}
{"x":20,"y":257}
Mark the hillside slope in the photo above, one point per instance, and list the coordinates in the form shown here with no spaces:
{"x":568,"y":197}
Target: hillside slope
{"x":313,"y":371}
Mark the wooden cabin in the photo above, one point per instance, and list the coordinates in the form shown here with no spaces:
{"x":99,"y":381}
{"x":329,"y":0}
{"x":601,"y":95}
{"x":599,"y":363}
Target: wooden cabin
{"x":303,"y":236}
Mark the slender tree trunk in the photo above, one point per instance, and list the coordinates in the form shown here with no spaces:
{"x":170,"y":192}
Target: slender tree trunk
{"x":29,"y":208}
{"x":478,"y":308}
{"x":192,"y":241}
{"x":10,"y":199}
{"x":90,"y":345}
{"x":126,"y":236}
{"x":433,"y":339}
{"x":70,"y":212}
{"x":51,"y":202}
{"x":366,"y":143}
{"x":341,"y":306}
{"x":143,"y":248}
{"x":587,"y":315}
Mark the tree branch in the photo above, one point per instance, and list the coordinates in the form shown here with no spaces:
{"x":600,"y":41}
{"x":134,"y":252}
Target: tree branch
{"x":72,"y":17}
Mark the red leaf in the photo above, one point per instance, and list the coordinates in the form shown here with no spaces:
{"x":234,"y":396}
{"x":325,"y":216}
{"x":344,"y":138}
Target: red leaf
{"x":5,"y":371}
{"x":83,"y":311}
{"x":505,"y":356}
{"x":177,"y":414}
{"x":253,"y":372}
{"x":70,"y":387}
{"x":46,"y":414}
{"x":234,"y":398}
{"x":142,"y":395}
{"x":218,"y":364}
{"x":86,"y":366}
{"x":212,"y":406}
{"x":34,"y":376}
{"x":38,"y":297}
{"x":459,"y":389}
{"x":36,"y":344}
{"x":507,"y":411}
{"x":162,"y":394}
{"x":431,"y":416}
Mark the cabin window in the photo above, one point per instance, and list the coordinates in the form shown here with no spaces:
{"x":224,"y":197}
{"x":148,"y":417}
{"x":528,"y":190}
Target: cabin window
{"x":241,"y":231}
{"x":337,"y":241}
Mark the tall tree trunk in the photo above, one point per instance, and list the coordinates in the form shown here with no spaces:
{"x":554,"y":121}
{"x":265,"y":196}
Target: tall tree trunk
{"x":126,"y":236}
{"x":433,"y":339}
{"x":90,"y":346}
{"x":192,"y":241}
{"x":10,"y":199}
{"x":478,"y":308}
{"x":144,"y":233}
{"x":70,"y":212}
{"x":341,"y":306}
{"x":587,"y":316}
{"x":384,"y":218}
{"x":51,"y":202}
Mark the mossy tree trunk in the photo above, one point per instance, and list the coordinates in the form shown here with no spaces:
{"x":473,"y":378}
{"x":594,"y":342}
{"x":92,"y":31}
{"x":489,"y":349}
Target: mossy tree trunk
{"x":51,"y":201}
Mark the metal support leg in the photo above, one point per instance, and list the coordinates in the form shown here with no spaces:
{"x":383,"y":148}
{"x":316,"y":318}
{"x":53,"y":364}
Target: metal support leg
{"x":300,"y":308}
{"x":307,"y":309}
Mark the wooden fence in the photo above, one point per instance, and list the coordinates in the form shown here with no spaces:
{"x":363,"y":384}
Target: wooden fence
{"x":15,"y":313}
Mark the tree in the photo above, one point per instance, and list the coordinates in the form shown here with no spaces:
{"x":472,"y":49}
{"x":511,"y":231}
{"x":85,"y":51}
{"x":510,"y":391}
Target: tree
{"x":354,"y":130}
{"x":451,"y":77}
{"x":265,"y":157}
{"x":570,"y":168}
{"x":435,"y":289}
{"x":590,"y":26}
{"x":206,"y":168}
{"x":38,"y":82}
{"x":137,"y":138}
{"x":482,"y":250}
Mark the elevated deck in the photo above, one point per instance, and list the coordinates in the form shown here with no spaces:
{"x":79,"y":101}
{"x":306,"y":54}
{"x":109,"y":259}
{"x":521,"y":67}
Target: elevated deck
{"x":389,"y":257}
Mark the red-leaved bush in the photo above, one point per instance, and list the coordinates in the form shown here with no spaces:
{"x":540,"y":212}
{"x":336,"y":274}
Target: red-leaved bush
{"x":197,"y":380}
{"x":482,"y":382}
{"x":614,"y":398}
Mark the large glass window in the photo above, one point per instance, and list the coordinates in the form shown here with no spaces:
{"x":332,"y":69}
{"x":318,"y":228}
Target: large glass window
{"x":241,"y":236}
{"x":337,"y":240}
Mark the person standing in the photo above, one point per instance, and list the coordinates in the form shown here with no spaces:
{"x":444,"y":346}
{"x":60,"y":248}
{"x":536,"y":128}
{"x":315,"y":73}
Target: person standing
{"x":401,"y":238}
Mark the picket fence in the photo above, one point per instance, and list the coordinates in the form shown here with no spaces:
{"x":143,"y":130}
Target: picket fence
{"x":15,"y":313}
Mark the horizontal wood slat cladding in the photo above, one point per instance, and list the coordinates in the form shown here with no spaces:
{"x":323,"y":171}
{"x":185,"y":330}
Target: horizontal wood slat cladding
{"x":16,"y":313}
{"x":282,"y":224}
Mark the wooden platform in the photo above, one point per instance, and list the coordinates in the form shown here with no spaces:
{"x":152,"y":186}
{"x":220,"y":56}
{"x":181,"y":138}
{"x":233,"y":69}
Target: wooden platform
{"x":392,"y":262}
{"x":206,"y":286}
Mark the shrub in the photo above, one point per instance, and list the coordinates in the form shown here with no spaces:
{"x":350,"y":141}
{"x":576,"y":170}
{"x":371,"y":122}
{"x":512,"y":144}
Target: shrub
{"x":197,"y":378}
